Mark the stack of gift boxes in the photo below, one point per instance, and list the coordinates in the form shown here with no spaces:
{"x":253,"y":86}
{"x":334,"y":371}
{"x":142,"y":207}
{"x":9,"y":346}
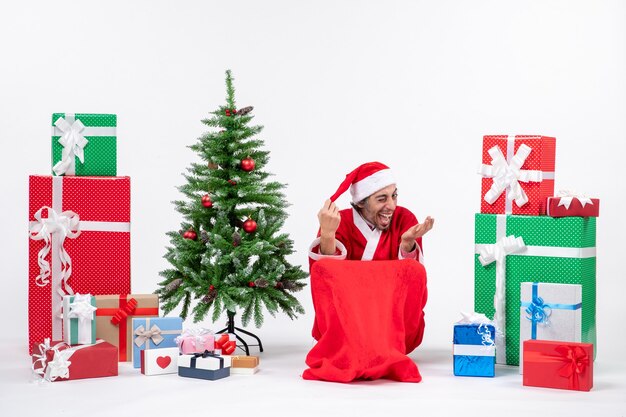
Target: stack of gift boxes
{"x":82,"y":318}
{"x":535,"y":266}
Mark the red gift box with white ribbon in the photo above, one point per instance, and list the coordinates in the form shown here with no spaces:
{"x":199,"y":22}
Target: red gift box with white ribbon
{"x":570,"y":204}
{"x":518,"y":174}
{"x":557,"y":364}
{"x":79,"y":243}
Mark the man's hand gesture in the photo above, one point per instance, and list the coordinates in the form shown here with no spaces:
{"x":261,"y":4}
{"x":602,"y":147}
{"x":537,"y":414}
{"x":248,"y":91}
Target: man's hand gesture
{"x":414,"y":232}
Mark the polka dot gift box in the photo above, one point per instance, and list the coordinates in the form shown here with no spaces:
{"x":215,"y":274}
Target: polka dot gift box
{"x":79,"y":243}
{"x":84,"y":144}
{"x":511,"y":249}
{"x":518,"y":174}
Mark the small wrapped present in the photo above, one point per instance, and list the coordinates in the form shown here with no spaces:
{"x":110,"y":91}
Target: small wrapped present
{"x":244,"y":365}
{"x":57,"y":361}
{"x":225,"y":344}
{"x":195,"y":341}
{"x":568,"y":203}
{"x":550,"y":312}
{"x":159,"y":361}
{"x":114,"y":318}
{"x":154,"y":333}
{"x":79,"y":243}
{"x":79,"y":319}
{"x":207,"y":365}
{"x":555,"y":364}
{"x":518,"y":174}
{"x":474,"y":346}
{"x":84,"y":144}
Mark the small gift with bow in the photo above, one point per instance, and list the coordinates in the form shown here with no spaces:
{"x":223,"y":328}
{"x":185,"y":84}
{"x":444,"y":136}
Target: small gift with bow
{"x":570,"y":203}
{"x":58,"y":361}
{"x":79,"y":231}
{"x":196,"y":340}
{"x":550,"y":312}
{"x":518,"y":174}
{"x":206,"y":365}
{"x":84,"y":144}
{"x":557,"y":364}
{"x":474,"y":347}
{"x":114,"y":318}
{"x":79,"y":319}
{"x":154,"y":333}
{"x":159,"y":361}
{"x":225,"y":344}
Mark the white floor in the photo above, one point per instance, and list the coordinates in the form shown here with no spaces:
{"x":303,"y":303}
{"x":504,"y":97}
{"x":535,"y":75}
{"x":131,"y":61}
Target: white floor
{"x":279,"y":390}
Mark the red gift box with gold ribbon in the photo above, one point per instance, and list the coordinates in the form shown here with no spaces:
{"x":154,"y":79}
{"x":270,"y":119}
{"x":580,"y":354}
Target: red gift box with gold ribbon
{"x":79,"y":243}
{"x":556,"y":364}
{"x":518,"y":174}
{"x":114,"y":316}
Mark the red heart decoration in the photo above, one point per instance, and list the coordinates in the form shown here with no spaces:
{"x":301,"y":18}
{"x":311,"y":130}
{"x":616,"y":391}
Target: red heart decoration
{"x":163,"y":361}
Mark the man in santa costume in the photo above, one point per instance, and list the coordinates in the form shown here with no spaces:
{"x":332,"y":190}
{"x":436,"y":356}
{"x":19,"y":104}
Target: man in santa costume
{"x":368,"y":317}
{"x":375,"y":228}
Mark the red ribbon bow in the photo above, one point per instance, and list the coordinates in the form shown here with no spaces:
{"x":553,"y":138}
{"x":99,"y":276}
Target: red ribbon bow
{"x":576,"y":361}
{"x":122,"y":313}
{"x":228,"y":346}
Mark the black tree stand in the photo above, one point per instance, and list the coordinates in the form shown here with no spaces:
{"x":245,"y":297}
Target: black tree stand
{"x":230,"y":328}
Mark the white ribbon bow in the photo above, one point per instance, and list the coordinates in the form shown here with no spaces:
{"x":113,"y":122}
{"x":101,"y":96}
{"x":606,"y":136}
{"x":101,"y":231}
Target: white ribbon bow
{"x":81,"y":308}
{"x":73,"y":143}
{"x":144,"y":336}
{"x":508,"y":175}
{"x":568,"y":195}
{"x":66,"y":224}
{"x":58,"y":367}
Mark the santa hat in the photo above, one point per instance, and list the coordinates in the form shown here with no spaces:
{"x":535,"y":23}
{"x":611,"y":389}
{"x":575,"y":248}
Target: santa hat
{"x":365,"y":181}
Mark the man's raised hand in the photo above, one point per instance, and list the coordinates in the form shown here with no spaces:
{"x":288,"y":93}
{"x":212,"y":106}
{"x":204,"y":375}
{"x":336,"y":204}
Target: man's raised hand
{"x":417,"y":231}
{"x":329,"y":219}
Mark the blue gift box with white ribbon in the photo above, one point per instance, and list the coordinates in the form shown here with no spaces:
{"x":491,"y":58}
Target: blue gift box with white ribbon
{"x":550,"y":312}
{"x":154,"y":333}
{"x":474,"y":350}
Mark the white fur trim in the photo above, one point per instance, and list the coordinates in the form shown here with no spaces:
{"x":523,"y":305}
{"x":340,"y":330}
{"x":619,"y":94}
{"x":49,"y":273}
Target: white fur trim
{"x":368,"y":186}
{"x":371,"y":236}
{"x":318,"y":256}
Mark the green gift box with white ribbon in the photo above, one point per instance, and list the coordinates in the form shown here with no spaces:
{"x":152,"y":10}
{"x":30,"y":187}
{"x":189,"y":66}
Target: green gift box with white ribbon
{"x":79,"y":319}
{"x":512,"y":249}
{"x":84,"y":144}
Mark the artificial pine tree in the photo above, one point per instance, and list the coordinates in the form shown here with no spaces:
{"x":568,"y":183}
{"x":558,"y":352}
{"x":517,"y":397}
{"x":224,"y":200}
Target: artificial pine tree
{"x":230,"y":254}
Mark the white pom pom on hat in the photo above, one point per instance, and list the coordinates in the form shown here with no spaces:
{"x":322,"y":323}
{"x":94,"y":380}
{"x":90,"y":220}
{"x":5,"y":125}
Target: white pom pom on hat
{"x":365,"y":180}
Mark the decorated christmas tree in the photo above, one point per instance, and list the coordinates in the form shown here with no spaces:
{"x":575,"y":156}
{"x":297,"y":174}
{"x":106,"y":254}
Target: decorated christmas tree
{"x":230,"y":254}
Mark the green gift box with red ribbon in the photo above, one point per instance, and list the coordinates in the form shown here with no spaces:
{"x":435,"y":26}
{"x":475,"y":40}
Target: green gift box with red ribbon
{"x":114,"y":318}
{"x":512,"y":249}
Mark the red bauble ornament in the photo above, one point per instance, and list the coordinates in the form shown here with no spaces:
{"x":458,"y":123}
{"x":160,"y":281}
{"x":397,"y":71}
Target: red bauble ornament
{"x":247,"y":164}
{"x":251,"y":284}
{"x":211,"y":288}
{"x":234,"y":111}
{"x":227,"y":111}
{"x":279,"y":285}
{"x":190,"y":234}
{"x":231,"y":182}
{"x":206,"y":201}
{"x":249,"y":226}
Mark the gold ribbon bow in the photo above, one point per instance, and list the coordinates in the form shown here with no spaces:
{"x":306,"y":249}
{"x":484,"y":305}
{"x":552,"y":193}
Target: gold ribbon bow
{"x":144,"y":336}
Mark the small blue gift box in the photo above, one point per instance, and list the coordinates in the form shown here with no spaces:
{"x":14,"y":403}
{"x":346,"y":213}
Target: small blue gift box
{"x":205,"y":365}
{"x":154,"y":333}
{"x":474,"y":350}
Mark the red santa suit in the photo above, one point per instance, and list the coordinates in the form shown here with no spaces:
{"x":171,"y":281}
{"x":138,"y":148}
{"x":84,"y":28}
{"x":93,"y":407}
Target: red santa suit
{"x":367,"y":318}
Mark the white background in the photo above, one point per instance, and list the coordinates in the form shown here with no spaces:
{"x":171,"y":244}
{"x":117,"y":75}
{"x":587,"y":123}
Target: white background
{"x":413,"y":84}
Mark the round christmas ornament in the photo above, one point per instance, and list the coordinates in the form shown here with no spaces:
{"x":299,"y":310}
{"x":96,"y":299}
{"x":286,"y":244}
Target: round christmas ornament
{"x":206,"y":201}
{"x":251,"y":284}
{"x":247,"y":164}
{"x":190,"y":234}
{"x":249,"y":226}
{"x":231,"y":182}
{"x":227,"y":112}
{"x":211,"y":287}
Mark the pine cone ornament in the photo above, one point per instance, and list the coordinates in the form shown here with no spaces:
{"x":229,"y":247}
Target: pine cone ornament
{"x":181,"y":232}
{"x":236,"y":239}
{"x":289,"y":285}
{"x":210,"y":296}
{"x":245,"y":110}
{"x":213,"y":165}
{"x":204,"y":236}
{"x":261,"y":283}
{"x":173,"y":286}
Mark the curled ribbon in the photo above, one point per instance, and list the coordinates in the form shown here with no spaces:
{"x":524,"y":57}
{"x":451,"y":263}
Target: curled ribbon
{"x":66,"y":224}
{"x":58,"y":367}
{"x":122,"y":313}
{"x":485,"y":335}
{"x":73,"y":143}
{"x":568,"y":195}
{"x":144,"y":336}
{"x":538,"y":311}
{"x":508,"y":175}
